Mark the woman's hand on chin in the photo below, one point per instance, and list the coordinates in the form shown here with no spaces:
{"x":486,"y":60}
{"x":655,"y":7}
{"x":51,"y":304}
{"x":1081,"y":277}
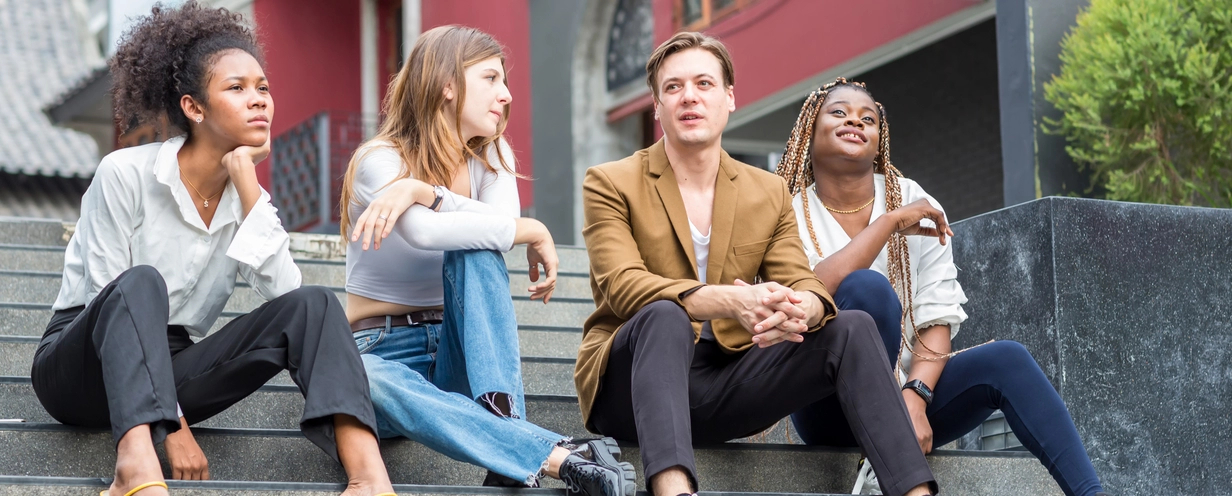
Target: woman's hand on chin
{"x":243,"y":160}
{"x":246,"y":155}
{"x":907,"y":220}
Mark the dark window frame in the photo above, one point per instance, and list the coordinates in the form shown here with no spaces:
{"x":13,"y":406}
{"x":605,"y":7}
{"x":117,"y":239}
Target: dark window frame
{"x":709,"y":15}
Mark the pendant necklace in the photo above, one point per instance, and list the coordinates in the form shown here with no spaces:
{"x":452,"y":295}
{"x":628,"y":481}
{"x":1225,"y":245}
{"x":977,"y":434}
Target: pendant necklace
{"x":205,"y":202}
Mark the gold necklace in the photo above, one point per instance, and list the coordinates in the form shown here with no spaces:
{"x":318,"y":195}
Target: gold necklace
{"x":852,"y":211}
{"x":205,"y":201}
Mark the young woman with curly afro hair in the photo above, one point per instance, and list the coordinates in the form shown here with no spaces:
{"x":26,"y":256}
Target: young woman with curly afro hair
{"x":165,"y":229}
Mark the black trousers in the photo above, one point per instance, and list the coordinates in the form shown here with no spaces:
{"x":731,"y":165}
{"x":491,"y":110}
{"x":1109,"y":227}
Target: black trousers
{"x":116,"y":363}
{"x":667,"y":393}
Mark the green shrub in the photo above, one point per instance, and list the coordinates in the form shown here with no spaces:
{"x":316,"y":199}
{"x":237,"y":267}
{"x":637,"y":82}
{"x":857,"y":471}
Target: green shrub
{"x":1146,"y":95}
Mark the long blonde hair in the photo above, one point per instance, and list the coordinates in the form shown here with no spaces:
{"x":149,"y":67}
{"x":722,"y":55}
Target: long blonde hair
{"x":796,"y":167}
{"x":414,"y":109}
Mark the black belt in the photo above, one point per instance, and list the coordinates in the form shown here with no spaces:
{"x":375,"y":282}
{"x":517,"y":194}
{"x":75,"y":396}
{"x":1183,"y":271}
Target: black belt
{"x":410,"y":319}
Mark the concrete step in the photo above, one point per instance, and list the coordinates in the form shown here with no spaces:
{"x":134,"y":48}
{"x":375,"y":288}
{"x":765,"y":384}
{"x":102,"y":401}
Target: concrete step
{"x":42,"y":287}
{"x":50,"y":259}
{"x":43,"y":248}
{"x":30,"y":318}
{"x":540,"y":375}
{"x":573,"y":259}
{"x":280,"y":407}
{"x":54,"y":235}
{"x":75,"y":486}
{"x":51,"y":450}
{"x":34,"y":231}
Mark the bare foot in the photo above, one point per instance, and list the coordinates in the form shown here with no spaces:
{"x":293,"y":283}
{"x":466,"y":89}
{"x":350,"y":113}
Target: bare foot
{"x":136,"y":464}
{"x":358,"y":488}
{"x":361,"y":458}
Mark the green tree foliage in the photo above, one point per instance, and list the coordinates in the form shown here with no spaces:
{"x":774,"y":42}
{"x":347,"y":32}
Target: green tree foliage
{"x":1146,"y":95}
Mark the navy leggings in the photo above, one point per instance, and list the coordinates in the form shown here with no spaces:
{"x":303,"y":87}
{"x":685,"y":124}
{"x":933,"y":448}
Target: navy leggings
{"x":1001,"y":375}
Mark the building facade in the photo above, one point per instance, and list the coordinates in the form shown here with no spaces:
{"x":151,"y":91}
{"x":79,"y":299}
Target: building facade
{"x":576,"y":72}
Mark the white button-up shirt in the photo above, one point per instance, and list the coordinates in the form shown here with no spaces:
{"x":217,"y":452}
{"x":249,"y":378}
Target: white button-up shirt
{"x":138,"y":212}
{"x":937,"y":297}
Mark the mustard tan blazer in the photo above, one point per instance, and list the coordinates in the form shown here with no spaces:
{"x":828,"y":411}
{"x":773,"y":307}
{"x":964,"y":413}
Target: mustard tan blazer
{"x":637,"y":236}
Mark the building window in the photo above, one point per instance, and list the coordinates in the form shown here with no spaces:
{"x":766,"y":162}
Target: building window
{"x":696,"y":15}
{"x":630,"y":42}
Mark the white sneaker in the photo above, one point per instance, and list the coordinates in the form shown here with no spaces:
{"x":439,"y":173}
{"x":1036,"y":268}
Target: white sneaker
{"x":866,"y":479}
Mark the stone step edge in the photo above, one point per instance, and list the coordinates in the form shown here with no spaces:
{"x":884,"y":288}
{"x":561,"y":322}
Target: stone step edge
{"x":217,"y":485}
{"x":744,"y":447}
{"x":287,"y":388}
{"x":317,"y":245}
{"x":336,"y":289}
{"x":230,"y":314}
{"x":298,"y":260}
{"x":525,"y":359}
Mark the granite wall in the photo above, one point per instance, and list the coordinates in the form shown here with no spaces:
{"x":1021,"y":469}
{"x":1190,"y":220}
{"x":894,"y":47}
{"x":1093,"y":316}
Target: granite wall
{"x":1128,"y":310}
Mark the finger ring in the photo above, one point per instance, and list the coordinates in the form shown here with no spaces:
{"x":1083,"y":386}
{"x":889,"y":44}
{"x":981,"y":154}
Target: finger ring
{"x":382,"y":217}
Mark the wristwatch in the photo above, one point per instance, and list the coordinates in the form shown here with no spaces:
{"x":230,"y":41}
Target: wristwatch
{"x":921,"y":389}
{"x":440,"y":195}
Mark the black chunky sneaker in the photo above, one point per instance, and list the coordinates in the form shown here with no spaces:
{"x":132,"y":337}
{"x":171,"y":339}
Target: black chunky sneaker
{"x":592,"y":469}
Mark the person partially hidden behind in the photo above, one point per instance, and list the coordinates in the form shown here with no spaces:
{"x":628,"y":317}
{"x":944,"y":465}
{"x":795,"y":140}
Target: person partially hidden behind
{"x":686,"y":345}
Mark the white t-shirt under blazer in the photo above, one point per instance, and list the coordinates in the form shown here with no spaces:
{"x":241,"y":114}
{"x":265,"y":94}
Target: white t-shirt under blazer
{"x":937,"y":296}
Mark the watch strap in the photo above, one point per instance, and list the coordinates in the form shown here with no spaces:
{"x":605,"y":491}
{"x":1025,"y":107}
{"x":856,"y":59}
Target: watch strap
{"x":440,"y":195}
{"x":921,"y":389}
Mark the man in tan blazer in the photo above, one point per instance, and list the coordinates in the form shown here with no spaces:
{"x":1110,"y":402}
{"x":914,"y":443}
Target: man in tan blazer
{"x":667,"y":360}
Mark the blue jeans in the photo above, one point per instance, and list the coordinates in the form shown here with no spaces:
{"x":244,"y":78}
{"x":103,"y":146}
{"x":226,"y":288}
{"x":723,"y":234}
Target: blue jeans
{"x":427,"y":380}
{"x":1002,"y":375}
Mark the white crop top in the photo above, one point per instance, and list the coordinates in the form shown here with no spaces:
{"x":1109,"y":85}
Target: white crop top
{"x":407,"y":270}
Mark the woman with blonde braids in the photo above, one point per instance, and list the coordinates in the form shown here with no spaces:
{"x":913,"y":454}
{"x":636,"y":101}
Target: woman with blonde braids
{"x":862,"y":222}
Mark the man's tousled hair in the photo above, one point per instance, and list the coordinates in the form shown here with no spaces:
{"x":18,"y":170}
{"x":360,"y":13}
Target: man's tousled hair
{"x":684,"y":41}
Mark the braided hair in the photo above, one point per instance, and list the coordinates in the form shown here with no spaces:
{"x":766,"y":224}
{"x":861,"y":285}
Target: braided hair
{"x":796,"y":167}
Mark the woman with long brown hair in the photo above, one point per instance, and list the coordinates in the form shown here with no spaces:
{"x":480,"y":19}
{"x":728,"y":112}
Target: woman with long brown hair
{"x":862,"y":221}
{"x":434,"y":197}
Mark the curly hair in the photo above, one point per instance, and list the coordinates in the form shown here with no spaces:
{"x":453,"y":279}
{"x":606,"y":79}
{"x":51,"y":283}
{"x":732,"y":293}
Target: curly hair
{"x":169,"y":54}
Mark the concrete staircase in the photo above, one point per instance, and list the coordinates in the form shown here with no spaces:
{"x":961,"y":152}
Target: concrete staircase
{"x":255,"y":447}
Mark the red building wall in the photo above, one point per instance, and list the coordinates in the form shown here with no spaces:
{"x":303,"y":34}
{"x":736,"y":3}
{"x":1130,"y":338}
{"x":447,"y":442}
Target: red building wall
{"x":509,"y":22}
{"x":312,"y":59}
{"x":776,"y":43}
{"x":389,"y":41}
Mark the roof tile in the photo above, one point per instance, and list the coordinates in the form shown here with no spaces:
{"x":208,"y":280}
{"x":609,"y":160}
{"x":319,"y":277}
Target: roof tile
{"x":40,"y":58}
